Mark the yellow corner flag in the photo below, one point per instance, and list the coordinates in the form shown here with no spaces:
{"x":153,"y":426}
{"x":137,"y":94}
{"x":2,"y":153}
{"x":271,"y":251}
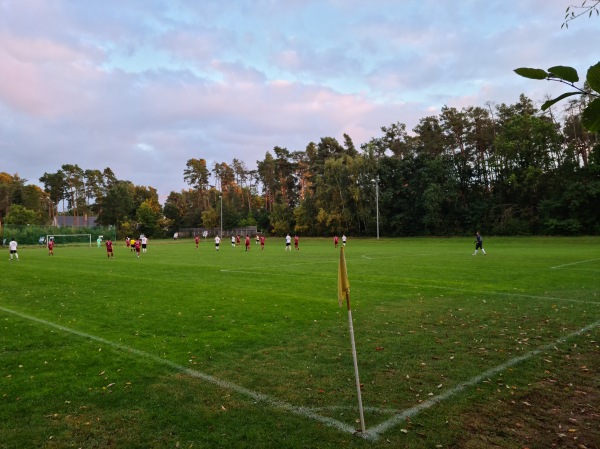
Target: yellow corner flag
{"x":343,"y":283}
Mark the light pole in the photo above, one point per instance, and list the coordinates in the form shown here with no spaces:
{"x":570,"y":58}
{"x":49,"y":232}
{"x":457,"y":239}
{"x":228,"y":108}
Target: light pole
{"x":221,"y":198}
{"x":377,"y":202}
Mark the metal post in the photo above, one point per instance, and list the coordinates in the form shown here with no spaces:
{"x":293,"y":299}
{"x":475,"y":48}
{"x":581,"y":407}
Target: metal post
{"x":377,"y":202}
{"x":221,"y":198}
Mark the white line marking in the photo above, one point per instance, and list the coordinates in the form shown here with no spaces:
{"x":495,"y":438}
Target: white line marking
{"x":375,"y":432}
{"x":352,"y":409}
{"x":509,"y":294}
{"x":372,"y":434}
{"x":573,"y":263}
{"x":426,"y":286}
{"x":259,"y":397}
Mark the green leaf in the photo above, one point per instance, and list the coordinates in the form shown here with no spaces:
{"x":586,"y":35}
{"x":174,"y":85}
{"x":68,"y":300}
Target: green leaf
{"x":549,"y":103}
{"x":534,"y":74}
{"x":564,"y":73}
{"x":593,"y":77}
{"x":590,"y":118}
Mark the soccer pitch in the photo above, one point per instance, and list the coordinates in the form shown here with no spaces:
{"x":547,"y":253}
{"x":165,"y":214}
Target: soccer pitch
{"x":186,"y":347}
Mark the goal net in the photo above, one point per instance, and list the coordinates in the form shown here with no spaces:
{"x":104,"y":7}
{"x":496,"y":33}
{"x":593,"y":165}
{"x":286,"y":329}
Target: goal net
{"x":70,"y":239}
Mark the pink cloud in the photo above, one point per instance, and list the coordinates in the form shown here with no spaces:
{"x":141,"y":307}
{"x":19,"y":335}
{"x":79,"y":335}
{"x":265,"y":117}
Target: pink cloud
{"x":42,"y":77}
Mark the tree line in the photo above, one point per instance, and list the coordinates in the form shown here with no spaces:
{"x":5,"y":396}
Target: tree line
{"x":501,"y":169}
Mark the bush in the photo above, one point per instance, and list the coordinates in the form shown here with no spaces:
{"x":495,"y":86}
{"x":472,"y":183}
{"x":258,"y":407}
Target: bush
{"x":570,"y":226}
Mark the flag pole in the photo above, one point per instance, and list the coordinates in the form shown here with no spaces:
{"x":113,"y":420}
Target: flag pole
{"x":344,"y":292}
{"x":354,"y":358}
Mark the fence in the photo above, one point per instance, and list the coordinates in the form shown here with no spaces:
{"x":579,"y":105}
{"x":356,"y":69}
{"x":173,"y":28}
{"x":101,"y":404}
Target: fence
{"x":35,"y":235}
{"x":211,"y":232}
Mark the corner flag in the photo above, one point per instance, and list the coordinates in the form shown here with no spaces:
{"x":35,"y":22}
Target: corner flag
{"x":343,"y":283}
{"x":344,"y":292}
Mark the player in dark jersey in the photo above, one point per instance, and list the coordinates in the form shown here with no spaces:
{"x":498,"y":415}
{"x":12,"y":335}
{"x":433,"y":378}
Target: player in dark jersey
{"x":479,"y":244}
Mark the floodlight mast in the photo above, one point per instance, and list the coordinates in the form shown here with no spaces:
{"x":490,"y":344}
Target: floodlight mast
{"x":221,"y":198}
{"x":376,"y":181}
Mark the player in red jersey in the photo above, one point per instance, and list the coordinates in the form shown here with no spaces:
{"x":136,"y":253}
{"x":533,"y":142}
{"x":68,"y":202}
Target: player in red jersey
{"x":336,"y":241}
{"x":296,"y":242}
{"x":197,"y":241}
{"x":247,"y":243}
{"x":51,"y":247}
{"x":138,"y":245}
{"x":237,"y":241}
{"x":109,"y":249}
{"x":262,"y":242}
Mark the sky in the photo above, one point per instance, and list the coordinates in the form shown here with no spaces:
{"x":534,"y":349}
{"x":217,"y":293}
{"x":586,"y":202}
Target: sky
{"x":142,"y":86}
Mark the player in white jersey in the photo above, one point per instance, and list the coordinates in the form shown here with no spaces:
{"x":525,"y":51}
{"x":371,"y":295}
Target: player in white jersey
{"x":288,"y":243}
{"x":12,"y":248}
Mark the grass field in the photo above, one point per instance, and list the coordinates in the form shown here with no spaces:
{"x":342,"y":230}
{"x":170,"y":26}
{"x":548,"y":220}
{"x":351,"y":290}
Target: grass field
{"x":194,"y":348}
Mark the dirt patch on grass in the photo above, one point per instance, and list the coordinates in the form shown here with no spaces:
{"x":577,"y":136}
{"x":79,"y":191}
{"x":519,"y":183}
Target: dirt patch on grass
{"x":560,"y":411}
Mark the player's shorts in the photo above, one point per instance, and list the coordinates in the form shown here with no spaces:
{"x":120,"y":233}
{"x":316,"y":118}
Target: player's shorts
{"x":144,"y":245}
{"x":479,"y":245}
{"x":288,"y":244}
{"x":13,"y":251}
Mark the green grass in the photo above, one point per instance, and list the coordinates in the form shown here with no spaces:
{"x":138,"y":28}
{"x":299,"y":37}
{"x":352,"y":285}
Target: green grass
{"x":118,"y":353}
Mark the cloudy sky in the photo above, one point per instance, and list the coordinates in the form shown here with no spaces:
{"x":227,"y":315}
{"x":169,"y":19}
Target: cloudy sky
{"x":142,"y":86}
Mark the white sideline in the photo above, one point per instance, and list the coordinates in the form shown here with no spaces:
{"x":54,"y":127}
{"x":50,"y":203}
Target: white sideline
{"x":573,"y":263}
{"x":509,"y":294}
{"x":437,"y":287}
{"x":373,"y":433}
{"x":432,"y":286}
{"x":259,"y":397}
